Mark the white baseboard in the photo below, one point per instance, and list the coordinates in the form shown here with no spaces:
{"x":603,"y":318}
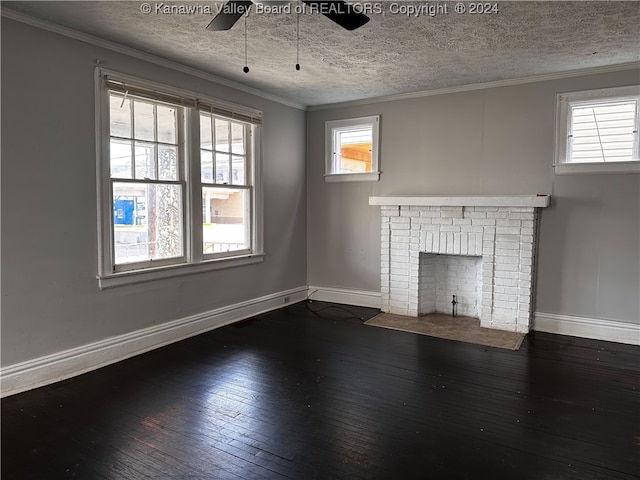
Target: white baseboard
{"x":362,"y":298}
{"x":595,"y":328}
{"x":69,"y":363}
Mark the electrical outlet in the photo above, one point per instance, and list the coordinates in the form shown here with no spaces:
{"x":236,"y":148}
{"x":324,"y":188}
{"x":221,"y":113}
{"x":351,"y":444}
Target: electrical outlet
{"x":286,"y":299}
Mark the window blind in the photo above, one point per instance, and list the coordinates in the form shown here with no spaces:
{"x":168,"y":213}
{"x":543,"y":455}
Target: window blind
{"x":604,"y":132}
{"x":223,"y":109}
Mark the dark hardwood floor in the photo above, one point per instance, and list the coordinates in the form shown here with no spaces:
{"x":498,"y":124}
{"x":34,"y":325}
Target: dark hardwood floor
{"x":301,"y":395}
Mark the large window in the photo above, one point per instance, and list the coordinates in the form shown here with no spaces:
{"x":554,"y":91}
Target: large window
{"x":352,"y":149}
{"x":178,"y":186}
{"x":597,"y":131}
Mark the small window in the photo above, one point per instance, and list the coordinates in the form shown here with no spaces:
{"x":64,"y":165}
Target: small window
{"x":597,"y":131}
{"x":352,"y":149}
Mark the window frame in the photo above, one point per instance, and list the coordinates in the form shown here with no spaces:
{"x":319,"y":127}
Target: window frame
{"x":331,"y":128}
{"x":193,"y":259}
{"x":564,"y":102}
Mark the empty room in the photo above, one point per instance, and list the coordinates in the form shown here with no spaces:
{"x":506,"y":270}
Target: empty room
{"x":250,"y":239}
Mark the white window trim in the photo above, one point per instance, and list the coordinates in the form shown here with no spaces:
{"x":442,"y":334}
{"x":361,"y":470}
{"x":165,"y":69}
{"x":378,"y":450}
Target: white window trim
{"x":193,"y":261}
{"x":563,"y":103}
{"x":373,"y":176}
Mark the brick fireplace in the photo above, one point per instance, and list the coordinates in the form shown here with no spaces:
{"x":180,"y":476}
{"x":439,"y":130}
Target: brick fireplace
{"x":479,"y":248}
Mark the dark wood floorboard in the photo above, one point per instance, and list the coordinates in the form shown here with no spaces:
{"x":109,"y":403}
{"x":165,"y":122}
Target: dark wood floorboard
{"x":309,"y":392}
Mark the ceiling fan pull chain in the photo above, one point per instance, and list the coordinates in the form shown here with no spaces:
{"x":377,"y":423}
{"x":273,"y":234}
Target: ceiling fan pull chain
{"x":246,"y":67}
{"x":298,"y":40}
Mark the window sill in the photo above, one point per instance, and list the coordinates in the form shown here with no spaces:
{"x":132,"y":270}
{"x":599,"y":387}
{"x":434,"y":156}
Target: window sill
{"x":150,"y":274}
{"x":600,"y":167}
{"x":352,"y":177}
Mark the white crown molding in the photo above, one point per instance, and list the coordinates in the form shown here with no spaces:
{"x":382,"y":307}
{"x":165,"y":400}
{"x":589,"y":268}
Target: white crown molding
{"x":58,"y":366}
{"x":147,"y":57}
{"x":480,"y":86}
{"x":595,"y":328}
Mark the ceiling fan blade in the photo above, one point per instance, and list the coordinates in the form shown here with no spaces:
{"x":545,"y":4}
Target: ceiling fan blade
{"x":340,"y":12}
{"x":229,"y":14}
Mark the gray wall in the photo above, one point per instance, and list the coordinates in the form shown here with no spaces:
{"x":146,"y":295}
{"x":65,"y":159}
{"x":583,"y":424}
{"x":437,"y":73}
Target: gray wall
{"x":50,"y":297}
{"x":491,"y":141}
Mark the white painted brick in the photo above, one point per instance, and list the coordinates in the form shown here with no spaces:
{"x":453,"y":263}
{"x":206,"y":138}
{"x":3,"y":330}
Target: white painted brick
{"x":526,"y":261}
{"x":429,"y":214}
{"x":526,"y":231}
{"x":451,"y":212}
{"x":505,"y":282}
{"x":508,"y":230}
{"x":526,"y":238}
{"x":511,"y":291}
{"x":497,"y":215}
{"x":506,"y":253}
{"x":478,"y":244}
{"x":471,"y":244}
{"x":390,"y":211}
{"x":474,"y":215}
{"x":450,"y":243}
{"x":527,"y":223}
{"x":400,"y":240}
{"x":502,"y":314}
{"x":507,"y":267}
{"x":521,"y":216}
{"x":399,"y":292}
{"x":442,"y":221}
{"x":502,"y":237}
{"x":409,"y":213}
{"x":526,"y":248}
{"x":481,"y":222}
{"x":456,"y":243}
{"x":400,"y":226}
{"x":472,"y":229}
{"x":450,"y":228}
{"x":462,"y":221}
{"x":521,"y":209}
{"x":464,"y":237}
{"x":508,"y":245}
{"x":503,"y":274}
{"x":487,"y":209}
{"x":508,"y":223}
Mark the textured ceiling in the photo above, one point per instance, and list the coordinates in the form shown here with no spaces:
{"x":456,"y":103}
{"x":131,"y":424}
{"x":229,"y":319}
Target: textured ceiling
{"x":392,"y":54}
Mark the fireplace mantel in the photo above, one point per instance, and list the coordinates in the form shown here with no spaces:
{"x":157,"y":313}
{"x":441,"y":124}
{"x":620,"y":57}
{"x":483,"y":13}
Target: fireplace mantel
{"x":462,"y":200}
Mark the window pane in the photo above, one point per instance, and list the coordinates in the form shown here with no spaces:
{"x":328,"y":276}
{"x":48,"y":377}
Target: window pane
{"x":222,"y":168}
{"x":205,"y":132}
{"x":145,"y":160}
{"x":168,"y":163}
{"x":120,"y":116}
{"x":147,"y":222}
{"x":602,"y":132}
{"x":354,"y":146}
{"x":206,"y":166}
{"x":143,"y":121}
{"x":222,"y":135}
{"x":237,"y":138}
{"x":238,"y":172}
{"x":120,"y":158}
{"x":167,"y":130}
{"x":225,"y":220}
